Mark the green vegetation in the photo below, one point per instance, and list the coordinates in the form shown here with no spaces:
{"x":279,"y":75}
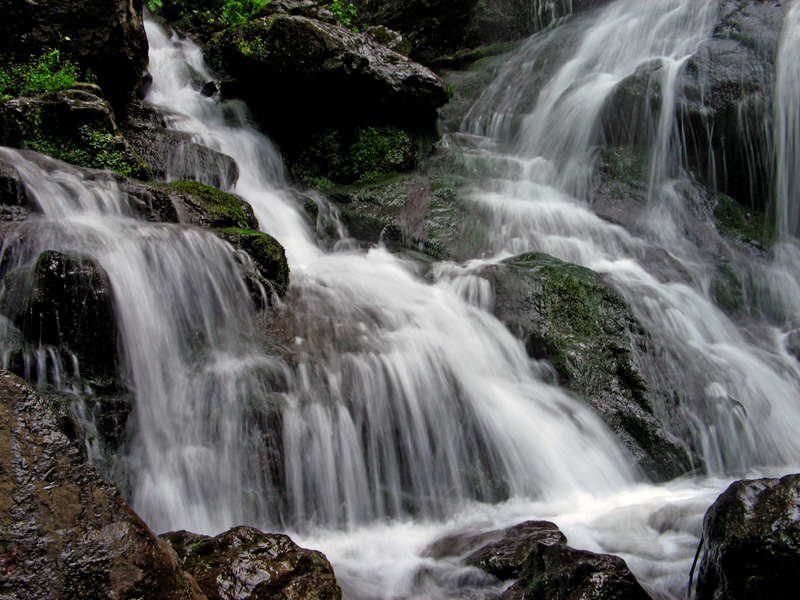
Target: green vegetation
{"x":48,"y":72}
{"x":267,"y":254}
{"x":345,"y":12}
{"x":336,"y":157}
{"x":218,"y":209}
{"x":736,"y":222}
{"x":95,"y":150}
{"x":229,"y":12}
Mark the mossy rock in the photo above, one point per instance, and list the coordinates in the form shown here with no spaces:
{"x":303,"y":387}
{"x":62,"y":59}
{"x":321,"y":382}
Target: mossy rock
{"x":76,"y":126}
{"x":209,"y":207}
{"x":570,"y":316}
{"x":269,"y":257}
{"x":740,"y":224}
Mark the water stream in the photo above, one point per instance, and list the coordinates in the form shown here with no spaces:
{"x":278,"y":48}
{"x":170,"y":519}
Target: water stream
{"x":397,"y":410}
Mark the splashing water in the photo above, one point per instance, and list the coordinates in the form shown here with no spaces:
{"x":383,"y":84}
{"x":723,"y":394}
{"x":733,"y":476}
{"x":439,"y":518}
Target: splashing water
{"x":400,"y":411}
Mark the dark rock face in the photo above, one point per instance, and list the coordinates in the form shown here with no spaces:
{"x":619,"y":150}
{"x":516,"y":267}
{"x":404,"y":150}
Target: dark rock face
{"x":106,"y":36}
{"x":751,"y":541}
{"x":246,"y":564}
{"x":64,"y":532}
{"x":172,"y":154}
{"x":506,"y":557}
{"x":558,"y":572}
{"x":74,"y":125}
{"x":439,"y":28}
{"x":14,"y":202}
{"x":72,"y":307}
{"x":568,"y":315}
{"x":728,"y":87}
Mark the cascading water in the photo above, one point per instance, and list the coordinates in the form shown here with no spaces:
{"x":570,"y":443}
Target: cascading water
{"x":399,"y":411}
{"x":403,"y":399}
{"x":787,"y":127}
{"x":737,"y":396}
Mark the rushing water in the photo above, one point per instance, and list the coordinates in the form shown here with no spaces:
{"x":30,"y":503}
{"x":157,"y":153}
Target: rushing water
{"x":397,"y":411}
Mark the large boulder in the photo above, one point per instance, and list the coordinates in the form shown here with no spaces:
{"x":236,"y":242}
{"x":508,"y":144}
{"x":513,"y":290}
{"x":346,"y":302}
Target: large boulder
{"x":751,"y":542}
{"x":104,"y":36}
{"x":378,"y":108}
{"x":75,"y":125}
{"x":247,"y":564}
{"x":558,"y":572}
{"x":64,"y":532}
{"x":570,"y":316}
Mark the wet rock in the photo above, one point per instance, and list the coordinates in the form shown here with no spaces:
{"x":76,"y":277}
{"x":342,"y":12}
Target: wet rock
{"x":75,"y":125}
{"x":379,"y":108}
{"x":64,"y":532}
{"x":246,"y":564}
{"x":568,"y":315}
{"x":505,"y":558}
{"x":105,"y":36}
{"x":72,"y":307}
{"x":212,"y":208}
{"x":558,"y":572}
{"x":14,"y":202}
{"x":172,"y":154}
{"x":751,"y":541}
{"x":727,"y":99}
{"x":232,"y":219}
{"x":269,"y":271}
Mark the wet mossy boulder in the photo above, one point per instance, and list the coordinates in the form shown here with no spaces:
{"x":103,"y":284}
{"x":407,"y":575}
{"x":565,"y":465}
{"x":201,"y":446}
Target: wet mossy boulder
{"x":232,"y":218}
{"x":249,"y":564}
{"x":64,"y":532}
{"x":75,"y":125}
{"x":376,"y":108}
{"x":751,"y":542}
{"x":209,"y":207}
{"x":268,"y":258}
{"x":558,"y":572}
{"x":570,"y":316}
{"x":106,"y":37}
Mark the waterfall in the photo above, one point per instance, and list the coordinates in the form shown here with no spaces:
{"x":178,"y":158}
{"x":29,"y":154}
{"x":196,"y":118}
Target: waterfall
{"x":787,"y":127}
{"x":734,"y":388}
{"x":389,"y":410}
{"x":402,"y":398}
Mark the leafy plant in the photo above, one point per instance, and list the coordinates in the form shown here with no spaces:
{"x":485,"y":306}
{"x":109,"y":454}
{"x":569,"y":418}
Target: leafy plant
{"x":229,"y":12}
{"x":48,"y":72}
{"x":345,"y":12}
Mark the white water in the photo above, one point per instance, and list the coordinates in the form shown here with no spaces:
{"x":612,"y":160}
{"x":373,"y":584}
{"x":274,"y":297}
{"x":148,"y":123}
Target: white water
{"x":787,"y":127}
{"x":406,"y":411}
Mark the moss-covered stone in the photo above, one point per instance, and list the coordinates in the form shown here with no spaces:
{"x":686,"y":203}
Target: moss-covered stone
{"x":210,"y":207}
{"x":267,"y":254}
{"x":75,"y":125}
{"x":740,"y":224}
{"x":570,"y":316}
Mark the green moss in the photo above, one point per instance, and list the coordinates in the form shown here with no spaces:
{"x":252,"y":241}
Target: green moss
{"x":266,"y":252}
{"x":464,"y":58}
{"x":340,"y":157}
{"x":736,"y":222}
{"x":92,"y":149}
{"x":218,"y":209}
